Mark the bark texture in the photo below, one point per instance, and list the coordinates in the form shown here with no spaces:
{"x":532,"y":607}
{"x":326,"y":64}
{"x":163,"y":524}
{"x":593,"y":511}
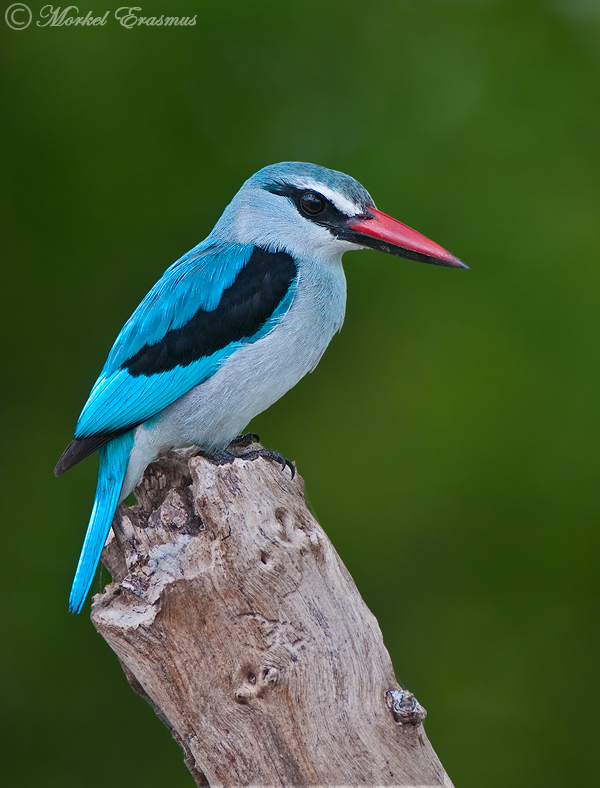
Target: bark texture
{"x":231,"y":612}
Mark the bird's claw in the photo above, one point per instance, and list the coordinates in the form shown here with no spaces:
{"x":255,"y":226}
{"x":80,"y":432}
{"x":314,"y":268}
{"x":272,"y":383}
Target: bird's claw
{"x":269,"y":455}
{"x":226,"y":457}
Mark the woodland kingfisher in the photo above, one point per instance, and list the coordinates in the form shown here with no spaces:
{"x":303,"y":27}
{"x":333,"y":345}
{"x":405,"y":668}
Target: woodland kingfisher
{"x":228,"y":329}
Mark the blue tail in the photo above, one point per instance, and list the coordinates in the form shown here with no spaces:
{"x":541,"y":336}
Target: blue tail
{"x":114,"y":457}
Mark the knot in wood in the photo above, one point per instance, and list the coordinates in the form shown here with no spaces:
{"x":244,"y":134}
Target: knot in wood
{"x":255,"y":683}
{"x":405,"y":708}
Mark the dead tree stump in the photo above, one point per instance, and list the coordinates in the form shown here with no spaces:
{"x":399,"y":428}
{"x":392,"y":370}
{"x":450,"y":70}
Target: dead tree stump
{"x":231,"y":612}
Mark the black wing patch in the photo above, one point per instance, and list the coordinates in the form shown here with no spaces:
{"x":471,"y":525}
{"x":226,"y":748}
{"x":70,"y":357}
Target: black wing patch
{"x":244,"y":308}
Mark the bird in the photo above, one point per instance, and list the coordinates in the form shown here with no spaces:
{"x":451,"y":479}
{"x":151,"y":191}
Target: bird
{"x":228,"y":329}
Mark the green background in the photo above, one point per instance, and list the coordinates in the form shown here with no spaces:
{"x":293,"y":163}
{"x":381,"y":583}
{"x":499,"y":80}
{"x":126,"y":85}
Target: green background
{"x":449,"y":438}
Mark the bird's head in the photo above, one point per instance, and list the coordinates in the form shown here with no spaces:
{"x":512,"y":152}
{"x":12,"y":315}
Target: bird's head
{"x":311,"y":211}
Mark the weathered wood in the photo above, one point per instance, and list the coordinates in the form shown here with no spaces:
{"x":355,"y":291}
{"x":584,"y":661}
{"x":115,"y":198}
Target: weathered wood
{"x":231,"y":612}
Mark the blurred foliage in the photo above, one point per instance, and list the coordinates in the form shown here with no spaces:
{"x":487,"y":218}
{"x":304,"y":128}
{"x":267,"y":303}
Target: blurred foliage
{"x":449,"y":438}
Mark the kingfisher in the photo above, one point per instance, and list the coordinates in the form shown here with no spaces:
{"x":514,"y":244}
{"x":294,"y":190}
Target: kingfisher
{"x":228,"y":329}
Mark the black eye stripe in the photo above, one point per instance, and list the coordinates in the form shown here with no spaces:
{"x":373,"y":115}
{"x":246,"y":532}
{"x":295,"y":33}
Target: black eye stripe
{"x":328,"y":216}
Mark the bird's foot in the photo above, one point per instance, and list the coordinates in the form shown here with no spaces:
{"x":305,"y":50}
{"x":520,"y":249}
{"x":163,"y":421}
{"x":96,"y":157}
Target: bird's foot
{"x":243,"y":441}
{"x":269,"y":455}
{"x":226,"y":457}
{"x":219,"y":457}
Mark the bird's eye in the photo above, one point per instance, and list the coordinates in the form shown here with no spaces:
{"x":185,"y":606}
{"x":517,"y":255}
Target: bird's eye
{"x":312,"y":204}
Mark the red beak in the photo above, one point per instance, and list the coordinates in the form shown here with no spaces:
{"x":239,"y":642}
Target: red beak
{"x":379,"y":231}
